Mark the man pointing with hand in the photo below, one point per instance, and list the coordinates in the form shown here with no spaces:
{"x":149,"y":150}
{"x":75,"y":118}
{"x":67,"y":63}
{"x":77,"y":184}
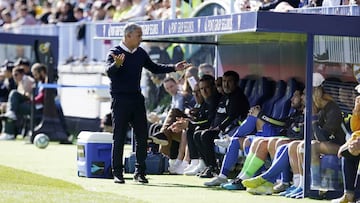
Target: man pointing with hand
{"x":124,"y":65}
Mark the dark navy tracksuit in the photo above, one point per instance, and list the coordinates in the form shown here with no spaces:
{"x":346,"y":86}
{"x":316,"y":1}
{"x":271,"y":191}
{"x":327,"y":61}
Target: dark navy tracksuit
{"x":128,"y":103}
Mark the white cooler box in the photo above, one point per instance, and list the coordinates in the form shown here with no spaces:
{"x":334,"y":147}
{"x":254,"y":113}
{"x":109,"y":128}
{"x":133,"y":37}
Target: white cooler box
{"x":94,"y":154}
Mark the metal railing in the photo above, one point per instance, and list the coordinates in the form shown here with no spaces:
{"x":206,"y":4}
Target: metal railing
{"x":351,"y":10}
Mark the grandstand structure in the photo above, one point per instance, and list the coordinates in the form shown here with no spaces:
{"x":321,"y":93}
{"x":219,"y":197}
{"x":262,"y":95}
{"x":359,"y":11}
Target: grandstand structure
{"x":285,"y":43}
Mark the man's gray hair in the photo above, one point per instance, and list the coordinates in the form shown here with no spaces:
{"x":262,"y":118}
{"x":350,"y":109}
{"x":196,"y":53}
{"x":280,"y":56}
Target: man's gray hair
{"x":131,"y":27}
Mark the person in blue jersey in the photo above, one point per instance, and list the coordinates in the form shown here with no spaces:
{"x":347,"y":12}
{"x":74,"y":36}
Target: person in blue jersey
{"x":124,"y":65}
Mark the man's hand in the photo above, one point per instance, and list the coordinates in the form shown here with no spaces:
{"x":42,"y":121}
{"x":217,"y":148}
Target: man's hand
{"x":179,"y":125}
{"x":354,"y":147}
{"x":342,"y":149}
{"x":357,"y":105}
{"x":153,"y":117}
{"x":255,"y":110}
{"x":182,"y":66}
{"x":119,"y":59}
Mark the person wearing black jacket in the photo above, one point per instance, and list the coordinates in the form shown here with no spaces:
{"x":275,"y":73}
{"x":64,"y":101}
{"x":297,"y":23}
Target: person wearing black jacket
{"x":232,"y":106}
{"x":124,"y":65}
{"x":202,"y":116}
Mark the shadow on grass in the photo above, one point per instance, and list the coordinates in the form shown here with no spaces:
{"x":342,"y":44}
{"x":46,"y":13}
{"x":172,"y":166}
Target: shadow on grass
{"x":187,"y":186}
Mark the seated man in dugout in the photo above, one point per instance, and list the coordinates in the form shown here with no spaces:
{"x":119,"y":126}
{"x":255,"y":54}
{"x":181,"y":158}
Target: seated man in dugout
{"x":207,"y":99}
{"x":281,"y":164}
{"x":167,"y":139}
{"x":328,"y":136}
{"x":258,"y":152}
{"x":232,"y":107}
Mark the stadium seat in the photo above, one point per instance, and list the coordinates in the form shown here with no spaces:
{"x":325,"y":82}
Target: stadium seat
{"x":280,"y":88}
{"x":261,"y":91}
{"x":248,"y":87}
{"x":330,"y":166}
{"x":282,"y":107}
{"x":242,"y":83}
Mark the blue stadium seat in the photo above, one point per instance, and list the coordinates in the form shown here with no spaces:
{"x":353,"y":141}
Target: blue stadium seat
{"x":331,"y":174}
{"x":280,"y":88}
{"x":261,"y":91}
{"x":248,"y":87}
{"x":242,"y":83}
{"x":282,"y":107}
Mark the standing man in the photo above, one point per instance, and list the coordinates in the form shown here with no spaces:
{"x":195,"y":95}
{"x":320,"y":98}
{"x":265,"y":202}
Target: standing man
{"x":124,"y":66}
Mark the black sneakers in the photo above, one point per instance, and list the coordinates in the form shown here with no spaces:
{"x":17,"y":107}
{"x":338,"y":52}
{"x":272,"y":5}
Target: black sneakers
{"x":137,"y":178}
{"x":140,"y":178}
{"x":210,"y":172}
{"x":119,"y":179}
{"x":159,"y":138}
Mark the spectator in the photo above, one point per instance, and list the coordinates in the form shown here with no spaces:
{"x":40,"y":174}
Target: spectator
{"x":66,"y":13}
{"x":121,"y":9}
{"x":166,"y":11}
{"x":175,"y":51}
{"x":154,"y":9}
{"x":106,"y":123}
{"x":6,"y":18}
{"x":46,"y":12}
{"x":9,"y":82}
{"x":183,"y":9}
{"x":24,"y":64}
{"x":137,"y":11}
{"x":158,"y":100}
{"x":19,"y":103}
{"x":206,"y":69}
{"x":158,"y":54}
{"x":280,"y":5}
{"x":4,"y":92}
{"x":98,"y":11}
{"x":79,"y":14}
{"x":109,"y":12}
{"x":24,"y":18}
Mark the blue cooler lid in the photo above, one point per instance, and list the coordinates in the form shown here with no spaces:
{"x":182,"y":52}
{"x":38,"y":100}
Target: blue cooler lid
{"x":95,"y":137}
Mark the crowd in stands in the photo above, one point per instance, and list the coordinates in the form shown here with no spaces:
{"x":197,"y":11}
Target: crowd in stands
{"x":31,"y":12}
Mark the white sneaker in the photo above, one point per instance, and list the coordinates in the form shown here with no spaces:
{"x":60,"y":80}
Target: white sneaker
{"x":180,"y":169}
{"x":6,"y":136}
{"x":200,"y":167}
{"x":190,"y":168}
{"x":222,"y":142}
{"x":11,"y":115}
{"x":192,"y":165}
{"x":173,"y":167}
{"x":216,"y":181}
